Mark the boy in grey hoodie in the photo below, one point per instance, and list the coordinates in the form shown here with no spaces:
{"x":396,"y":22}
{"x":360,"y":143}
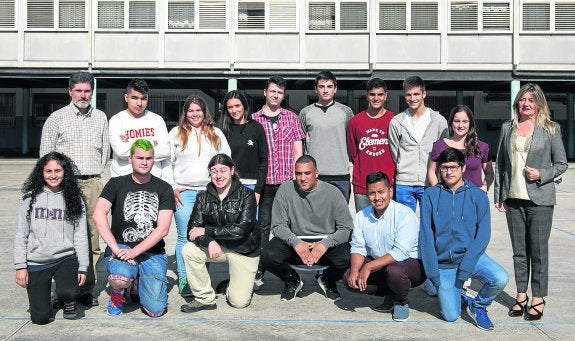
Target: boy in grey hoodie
{"x":411,"y":137}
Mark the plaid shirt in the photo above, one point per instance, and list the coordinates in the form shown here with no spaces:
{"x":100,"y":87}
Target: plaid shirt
{"x":280,"y":144}
{"x":83,"y":138}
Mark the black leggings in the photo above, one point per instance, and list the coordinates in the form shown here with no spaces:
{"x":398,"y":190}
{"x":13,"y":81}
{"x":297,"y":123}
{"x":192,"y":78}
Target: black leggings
{"x":39,"y":286}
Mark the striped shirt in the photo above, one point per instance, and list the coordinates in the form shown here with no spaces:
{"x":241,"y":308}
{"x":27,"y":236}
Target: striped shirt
{"x":83,"y":138}
{"x":280,"y":137}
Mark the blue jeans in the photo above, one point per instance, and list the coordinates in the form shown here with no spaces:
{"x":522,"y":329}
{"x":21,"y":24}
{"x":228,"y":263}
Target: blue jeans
{"x":493,"y":276}
{"x":182,"y":217}
{"x":152,"y":279}
{"x":252,"y":187}
{"x":343,"y":186}
{"x":409,"y":195}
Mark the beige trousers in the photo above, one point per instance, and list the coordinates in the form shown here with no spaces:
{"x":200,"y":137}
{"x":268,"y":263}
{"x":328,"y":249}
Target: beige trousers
{"x":242,"y":275}
{"x":91,"y":189}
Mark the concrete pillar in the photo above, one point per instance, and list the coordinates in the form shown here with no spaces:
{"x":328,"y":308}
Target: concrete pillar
{"x":515,"y":85}
{"x":232,"y":84}
{"x":94,"y":94}
{"x":570,"y":126}
{"x":25,"y":119}
{"x":459,"y":97}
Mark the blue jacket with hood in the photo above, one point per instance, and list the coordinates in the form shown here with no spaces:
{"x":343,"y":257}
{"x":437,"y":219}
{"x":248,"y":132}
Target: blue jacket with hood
{"x":455,"y":230}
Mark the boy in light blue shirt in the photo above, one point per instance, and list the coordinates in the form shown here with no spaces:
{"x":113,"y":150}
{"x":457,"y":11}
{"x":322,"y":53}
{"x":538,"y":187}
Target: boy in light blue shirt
{"x":384,"y":249}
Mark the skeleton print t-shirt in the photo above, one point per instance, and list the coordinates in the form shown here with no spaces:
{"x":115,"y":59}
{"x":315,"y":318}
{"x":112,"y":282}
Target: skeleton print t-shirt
{"x":135,"y":208}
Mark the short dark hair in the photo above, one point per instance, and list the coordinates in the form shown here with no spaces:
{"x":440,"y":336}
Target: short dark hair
{"x":81,"y":77}
{"x":305,"y":159}
{"x":325,"y":76}
{"x":138,"y":85}
{"x":413,"y":82}
{"x":451,"y":155}
{"x":277,"y":80}
{"x":378,"y":176}
{"x":376,"y":83}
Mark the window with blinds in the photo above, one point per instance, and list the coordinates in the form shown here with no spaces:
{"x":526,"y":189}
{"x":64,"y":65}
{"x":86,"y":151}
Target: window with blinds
{"x":40,"y":14}
{"x":142,"y":15}
{"x":565,"y":16}
{"x":72,"y":14}
{"x":408,"y":15}
{"x":283,"y":15}
{"x":212,"y":15}
{"x":392,"y":16}
{"x":337,"y":15}
{"x":111,"y":14}
{"x":251,"y":15}
{"x":496,"y":16}
{"x":181,"y":14}
{"x":424,"y":16}
{"x":7,"y":19}
{"x":322,"y":16}
{"x":478,"y":15}
{"x":464,"y":16}
{"x":536,"y":16}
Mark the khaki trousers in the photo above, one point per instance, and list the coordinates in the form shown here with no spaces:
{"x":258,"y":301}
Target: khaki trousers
{"x":91,"y":189}
{"x":242,"y":275}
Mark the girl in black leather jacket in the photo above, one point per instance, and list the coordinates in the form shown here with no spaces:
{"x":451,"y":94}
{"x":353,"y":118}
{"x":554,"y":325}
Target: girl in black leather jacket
{"x":222,"y":228}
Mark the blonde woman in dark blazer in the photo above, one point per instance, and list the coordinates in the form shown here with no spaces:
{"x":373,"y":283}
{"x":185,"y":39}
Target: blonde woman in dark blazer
{"x":530,"y":157}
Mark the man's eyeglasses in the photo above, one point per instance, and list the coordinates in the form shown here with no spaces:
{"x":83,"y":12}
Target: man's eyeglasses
{"x":446,"y":169}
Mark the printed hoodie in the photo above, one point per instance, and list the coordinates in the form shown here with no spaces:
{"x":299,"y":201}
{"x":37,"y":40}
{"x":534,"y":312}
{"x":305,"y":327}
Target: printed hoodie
{"x":455,"y":227}
{"x":48,"y":237}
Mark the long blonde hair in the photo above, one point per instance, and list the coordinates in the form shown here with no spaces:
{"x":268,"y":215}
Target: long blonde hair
{"x":185,"y":127}
{"x":542,"y":117}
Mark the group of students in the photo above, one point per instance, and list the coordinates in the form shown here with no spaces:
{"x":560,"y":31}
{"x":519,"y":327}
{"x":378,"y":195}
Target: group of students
{"x":284,"y":160}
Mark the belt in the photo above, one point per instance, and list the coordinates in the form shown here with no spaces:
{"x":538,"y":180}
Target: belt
{"x":86,"y":177}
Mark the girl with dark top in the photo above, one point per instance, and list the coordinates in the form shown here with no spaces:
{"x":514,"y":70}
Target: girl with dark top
{"x":462,"y":136}
{"x":51,"y":239}
{"x":247,"y":141}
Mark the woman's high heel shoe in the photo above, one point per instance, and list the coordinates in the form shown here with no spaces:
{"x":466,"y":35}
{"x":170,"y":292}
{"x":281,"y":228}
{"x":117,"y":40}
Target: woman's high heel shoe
{"x":538,"y":315}
{"x":518,"y":312}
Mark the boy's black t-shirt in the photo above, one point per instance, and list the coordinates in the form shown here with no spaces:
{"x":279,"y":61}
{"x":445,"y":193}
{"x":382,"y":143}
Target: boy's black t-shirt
{"x":135,"y":208}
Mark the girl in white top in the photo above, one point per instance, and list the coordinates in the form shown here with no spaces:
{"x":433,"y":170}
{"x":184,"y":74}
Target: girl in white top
{"x":193,"y":143}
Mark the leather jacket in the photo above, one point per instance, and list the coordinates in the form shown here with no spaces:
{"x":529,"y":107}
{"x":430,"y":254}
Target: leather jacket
{"x":230,"y":222}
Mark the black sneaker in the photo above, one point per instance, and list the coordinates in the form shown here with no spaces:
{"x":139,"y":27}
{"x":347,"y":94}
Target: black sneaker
{"x":222,"y":287}
{"x":87,"y":300}
{"x":259,"y":281}
{"x":70,"y":312}
{"x":57,"y":304}
{"x":329,"y":288}
{"x":386,"y":306}
{"x":291,"y":288}
{"x":195,"y":306}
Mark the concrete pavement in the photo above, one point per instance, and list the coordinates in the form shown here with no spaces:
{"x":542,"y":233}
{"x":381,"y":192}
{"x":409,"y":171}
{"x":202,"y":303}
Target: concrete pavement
{"x":311,"y":316}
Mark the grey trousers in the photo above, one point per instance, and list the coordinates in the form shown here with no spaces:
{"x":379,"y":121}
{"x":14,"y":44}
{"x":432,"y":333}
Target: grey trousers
{"x":529,"y":228}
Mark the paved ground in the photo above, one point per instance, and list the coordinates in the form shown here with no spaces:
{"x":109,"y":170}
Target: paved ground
{"x":309,"y":317}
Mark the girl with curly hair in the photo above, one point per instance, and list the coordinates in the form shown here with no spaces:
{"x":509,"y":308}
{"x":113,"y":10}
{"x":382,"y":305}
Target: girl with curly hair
{"x":51,"y":240}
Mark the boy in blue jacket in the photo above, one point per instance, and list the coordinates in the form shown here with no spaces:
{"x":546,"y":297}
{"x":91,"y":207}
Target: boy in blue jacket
{"x":454,"y":233}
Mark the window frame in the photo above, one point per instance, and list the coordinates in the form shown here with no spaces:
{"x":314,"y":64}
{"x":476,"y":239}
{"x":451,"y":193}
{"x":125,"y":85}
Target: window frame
{"x":552,"y":17}
{"x":480,"y":29}
{"x":55,"y":17}
{"x":126,"y":17}
{"x":408,"y":15}
{"x":337,"y":17}
{"x":196,"y":28}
